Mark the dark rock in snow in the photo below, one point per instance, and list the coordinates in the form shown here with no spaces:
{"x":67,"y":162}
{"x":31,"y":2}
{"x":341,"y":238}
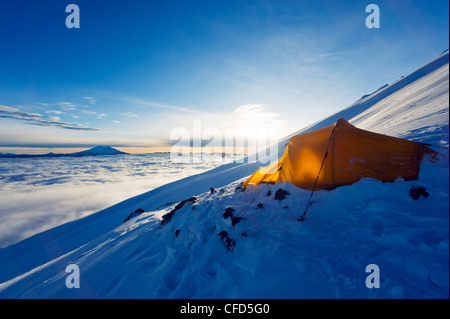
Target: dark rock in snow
{"x":269,"y":193}
{"x":281,"y":194}
{"x":223,"y":234}
{"x":168,"y":217}
{"x":240,"y":187}
{"x":164,"y":205}
{"x":177,"y":232}
{"x":228,"y":212}
{"x":137,"y":212}
{"x":235,"y":220}
{"x":246,"y":234}
{"x":212,"y":190}
{"x":228,"y":242}
{"x":415,"y":193}
{"x":260,"y":206}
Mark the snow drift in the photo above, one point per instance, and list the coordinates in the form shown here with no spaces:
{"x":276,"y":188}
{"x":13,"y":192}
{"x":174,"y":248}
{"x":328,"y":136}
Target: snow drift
{"x":201,"y":252}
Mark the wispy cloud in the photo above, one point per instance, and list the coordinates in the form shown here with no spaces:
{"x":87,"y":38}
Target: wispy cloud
{"x":54,"y":118}
{"x":67,"y":106}
{"x":128,"y":114}
{"x":53,"y":112}
{"x":91,"y":100}
{"x":251,"y":118}
{"x":99,"y":115}
{"x":255,"y":113}
{"x":40,"y":120}
{"x":162,"y":106}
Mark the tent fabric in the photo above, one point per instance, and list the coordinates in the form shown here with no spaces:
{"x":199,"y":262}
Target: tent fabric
{"x":347,"y":154}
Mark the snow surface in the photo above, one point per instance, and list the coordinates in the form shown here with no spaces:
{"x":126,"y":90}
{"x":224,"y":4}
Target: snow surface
{"x":273,"y":256}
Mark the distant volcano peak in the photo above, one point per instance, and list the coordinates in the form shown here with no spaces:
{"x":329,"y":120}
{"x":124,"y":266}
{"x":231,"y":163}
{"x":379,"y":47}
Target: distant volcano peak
{"x":100,"y":150}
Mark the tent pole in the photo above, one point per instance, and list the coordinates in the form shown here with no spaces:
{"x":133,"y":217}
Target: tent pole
{"x":302,"y":218}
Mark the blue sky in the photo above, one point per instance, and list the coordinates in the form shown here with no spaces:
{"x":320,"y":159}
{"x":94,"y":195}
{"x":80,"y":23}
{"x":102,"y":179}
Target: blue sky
{"x":136,"y":70}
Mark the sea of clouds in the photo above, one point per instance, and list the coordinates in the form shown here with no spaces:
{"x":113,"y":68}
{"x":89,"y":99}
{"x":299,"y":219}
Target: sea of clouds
{"x":37,"y":194}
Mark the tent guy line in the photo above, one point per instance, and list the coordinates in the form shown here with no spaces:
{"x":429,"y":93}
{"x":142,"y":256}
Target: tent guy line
{"x":302,"y":218}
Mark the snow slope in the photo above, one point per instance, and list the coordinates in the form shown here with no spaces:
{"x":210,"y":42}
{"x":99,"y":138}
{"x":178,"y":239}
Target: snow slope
{"x":273,"y":255}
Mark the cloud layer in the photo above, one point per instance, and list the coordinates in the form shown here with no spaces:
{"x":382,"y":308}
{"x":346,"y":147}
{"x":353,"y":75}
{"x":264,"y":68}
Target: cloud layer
{"x":41,"y":193}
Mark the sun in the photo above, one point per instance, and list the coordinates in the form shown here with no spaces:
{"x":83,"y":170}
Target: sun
{"x":253,"y":122}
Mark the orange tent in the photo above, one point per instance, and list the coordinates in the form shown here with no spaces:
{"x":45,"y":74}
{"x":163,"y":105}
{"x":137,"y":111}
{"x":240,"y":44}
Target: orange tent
{"x":342,"y":154}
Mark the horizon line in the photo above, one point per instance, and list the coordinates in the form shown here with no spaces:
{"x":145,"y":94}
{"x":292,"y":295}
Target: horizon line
{"x":132,"y":150}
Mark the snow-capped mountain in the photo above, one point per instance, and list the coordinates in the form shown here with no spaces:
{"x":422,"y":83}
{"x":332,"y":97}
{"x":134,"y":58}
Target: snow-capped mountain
{"x":99,"y":150}
{"x":186,"y":240}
